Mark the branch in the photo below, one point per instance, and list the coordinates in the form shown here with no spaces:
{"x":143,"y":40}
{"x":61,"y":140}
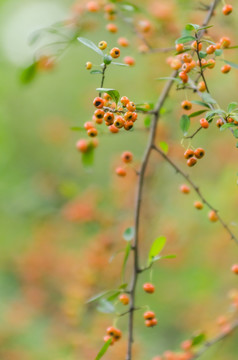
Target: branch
{"x":214,"y":341}
{"x":195,"y":187}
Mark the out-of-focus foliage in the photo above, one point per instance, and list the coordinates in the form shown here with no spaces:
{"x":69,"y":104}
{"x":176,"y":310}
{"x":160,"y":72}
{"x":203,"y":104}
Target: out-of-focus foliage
{"x":60,"y":224}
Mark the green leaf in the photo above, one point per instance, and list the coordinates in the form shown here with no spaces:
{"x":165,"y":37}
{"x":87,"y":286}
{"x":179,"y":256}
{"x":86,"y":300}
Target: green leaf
{"x":197,"y":102}
{"x":231,"y":64}
{"x":126,"y":257}
{"x":91,"y":45}
{"x":235,"y":133}
{"x":205,"y":27}
{"x":164,"y":146}
{"x":147,"y":121}
{"x":198,"y":339}
{"x":114,"y":296}
{"x":156,"y":248}
{"x":185,"y":39}
{"x":103,"y":349}
{"x":168,"y":78}
{"x":123,"y":286}
{"x":98,"y":296}
{"x":212,"y":113}
{"x":129,"y":234}
{"x":105,"y":306}
{"x":232,"y":47}
{"x":196,"y":113}
{"x":28,"y":74}
{"x":77,"y":128}
{"x":226,"y":126}
{"x":112,"y":92}
{"x":191,"y":27}
{"x":218,"y":52}
{"x":119,"y":64}
{"x":202,"y":54}
{"x":207,"y":98}
{"x":128,"y":6}
{"x":156,"y":258}
{"x":232,"y":106}
{"x":184,"y":124}
{"x":88,"y":157}
{"x":95,"y":72}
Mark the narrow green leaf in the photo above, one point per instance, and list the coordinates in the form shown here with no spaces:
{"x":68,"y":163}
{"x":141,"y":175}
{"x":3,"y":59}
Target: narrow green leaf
{"x":129,"y":234}
{"x":103,"y":349}
{"x":196,"y":113}
{"x":184,"y":124}
{"x":235,"y":133}
{"x":168,"y":78}
{"x":112,"y":92}
{"x":95,"y":72}
{"x":207,"y":98}
{"x":232,"y":47}
{"x":147,"y":121}
{"x":105,"y":306}
{"x":156,"y":258}
{"x":198,"y":339}
{"x":226,"y":126}
{"x":185,"y":39}
{"x":77,"y":128}
{"x":126,"y":257}
{"x":128,"y":6}
{"x":114,"y":296}
{"x":231,"y":64}
{"x":190,"y":27}
{"x":205,"y":27}
{"x":28,"y":73}
{"x":202,"y":54}
{"x":98,"y":296}
{"x":119,"y":64}
{"x":91,"y":45}
{"x":164,"y":146}
{"x":88,"y":158}
{"x":232,"y":106}
{"x":197,"y":102}
{"x":212,"y":113}
{"x":156,"y":248}
{"x":123,"y":286}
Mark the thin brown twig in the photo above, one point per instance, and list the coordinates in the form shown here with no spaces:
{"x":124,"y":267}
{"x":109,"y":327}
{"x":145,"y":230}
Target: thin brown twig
{"x":208,"y":344}
{"x":141,"y":177}
{"x":197,"y":190}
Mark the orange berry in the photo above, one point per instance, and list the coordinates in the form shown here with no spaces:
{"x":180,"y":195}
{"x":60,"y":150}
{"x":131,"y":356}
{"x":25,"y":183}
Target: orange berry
{"x":111,"y":330}
{"x":92,"y":6}
{"x":124,"y":100}
{"x":131,"y":106}
{"x":185,"y":189}
{"x":112,"y":28}
{"x":204,"y":123}
{"x":199,"y":153}
{"x":219,"y":123}
{"x":124,"y":299}
{"x":109,"y":117}
{"x":98,"y":102}
{"x":213,"y":216}
{"x":134,"y":116}
{"x":149,"y":315}
{"x":102,"y":45}
{"x":127,"y":157}
{"x":210,"y":49}
{"x":110,"y":8}
{"x":230,"y":120}
{"x":188,"y":153}
{"x":201,"y":86}
{"x":179,"y":47}
{"x":113,"y":129}
{"x":121,"y":172}
{"x":119,"y":122}
{"x":191,"y":161}
{"x":196,"y":45}
{"x":122,"y":41}
{"x":186,"y":105}
{"x":234,"y":269}
{"x":227,"y":9}
{"x":129,"y":60}
{"x":187,"y":58}
{"x":186,"y":67}
{"x":203,"y":62}
{"x":151,"y":323}
{"x":211,"y":63}
{"x":115,"y":53}
{"x":128,"y":125}
{"x":89,"y":65}
{"x":107,"y":97}
{"x":225,"y":69}
{"x":186,"y":345}
{"x":225,"y":42}
{"x":82,"y":145}
{"x":94,"y":142}
{"x":45,"y":63}
{"x":107,"y":337}
{"x":175,"y":64}
{"x":128,"y":116}
{"x":117,"y":334}
{"x":198,"y":205}
{"x":149,"y":288}
{"x":92,"y":132}
{"x":183,"y":76}
{"x":99,"y":114}
{"x":88,"y":125}
{"x":144,"y":25}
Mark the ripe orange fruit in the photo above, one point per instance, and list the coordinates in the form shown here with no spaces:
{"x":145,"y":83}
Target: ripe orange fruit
{"x":234,"y":269}
{"x":188,"y":153}
{"x":120,"y":172}
{"x":151,"y":323}
{"x":225,"y":69}
{"x":115,"y":53}
{"x":185,"y":189}
{"x":149,"y":288}
{"x":149,"y":315}
{"x":186,"y":105}
{"x":199,"y":153}
{"x":213,"y":216}
{"x":198,"y":205}
{"x":227,"y":9}
{"x":124,"y":299}
{"x":191,"y":161}
{"x":127,"y":157}
{"x":98,"y":102}
{"x":204,"y":123}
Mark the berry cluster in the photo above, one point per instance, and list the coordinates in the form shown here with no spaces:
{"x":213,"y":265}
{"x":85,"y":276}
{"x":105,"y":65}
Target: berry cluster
{"x":193,"y":155}
{"x":150,"y":319}
{"x":112,"y":333}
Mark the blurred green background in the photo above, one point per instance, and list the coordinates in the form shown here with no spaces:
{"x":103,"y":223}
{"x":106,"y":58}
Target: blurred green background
{"x":60,"y":223}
